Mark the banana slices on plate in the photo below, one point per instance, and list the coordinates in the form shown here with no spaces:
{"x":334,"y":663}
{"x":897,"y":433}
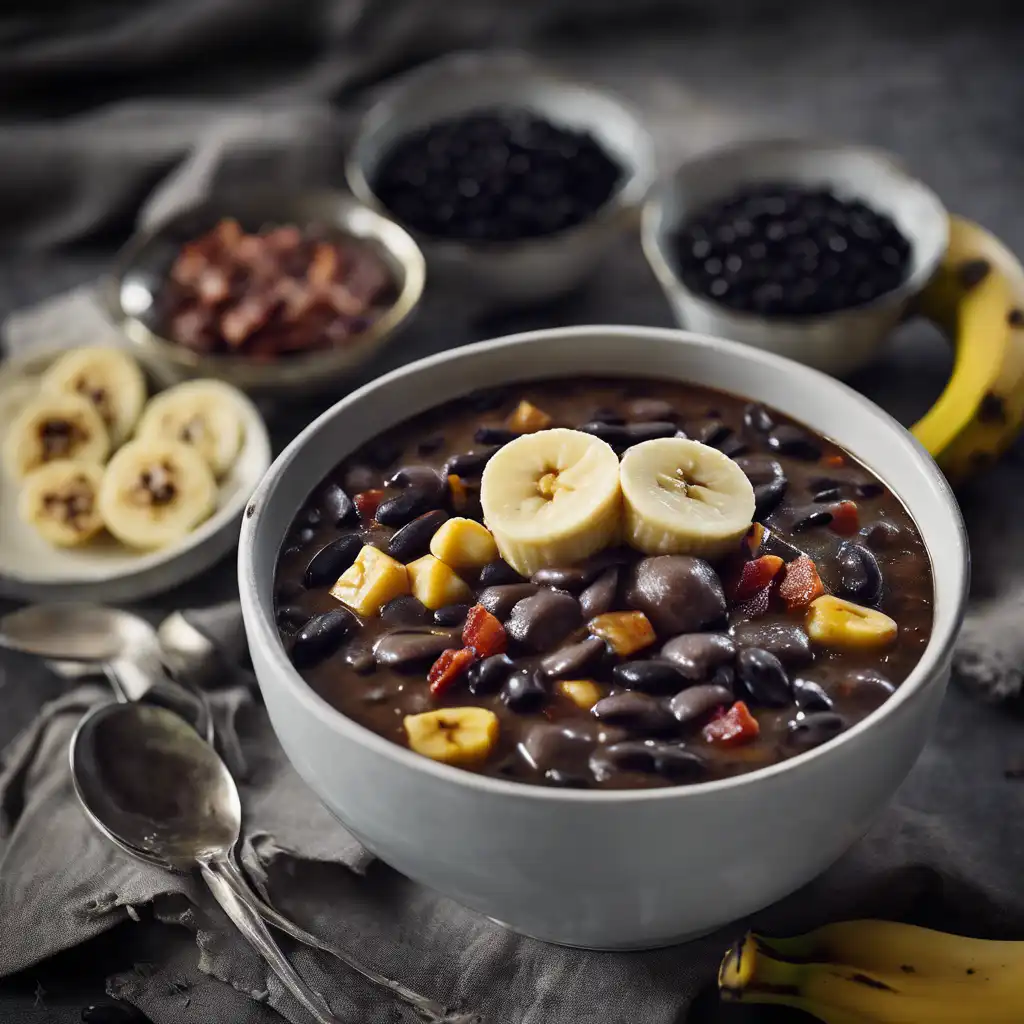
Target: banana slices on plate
{"x":551,"y":498}
{"x":155,"y":492}
{"x":682,"y":497}
{"x":108,"y":378}
{"x":165,"y":455}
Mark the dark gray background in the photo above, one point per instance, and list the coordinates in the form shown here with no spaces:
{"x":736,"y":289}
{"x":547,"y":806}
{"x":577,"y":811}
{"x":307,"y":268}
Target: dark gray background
{"x":941,"y":86}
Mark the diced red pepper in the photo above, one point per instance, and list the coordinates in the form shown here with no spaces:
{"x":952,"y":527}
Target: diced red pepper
{"x":448,"y":667}
{"x":755,"y":576}
{"x":845,"y":518}
{"x":833,"y":461}
{"x":366,"y":502}
{"x":483,"y":633}
{"x":801,"y":584}
{"x":736,"y":727}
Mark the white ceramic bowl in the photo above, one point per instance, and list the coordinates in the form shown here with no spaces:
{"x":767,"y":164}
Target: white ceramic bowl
{"x":604,"y":869}
{"x":533,"y":269}
{"x":837,"y":343}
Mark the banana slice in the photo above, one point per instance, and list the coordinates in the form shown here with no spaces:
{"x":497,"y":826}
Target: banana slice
{"x":683,"y":497}
{"x":459,"y":736}
{"x":155,"y":492}
{"x":202,"y":413}
{"x":53,"y":427}
{"x":107,"y":377}
{"x":60,"y":500}
{"x":551,"y":498}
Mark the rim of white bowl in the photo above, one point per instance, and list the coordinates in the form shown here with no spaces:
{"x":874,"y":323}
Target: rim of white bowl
{"x":261,"y":618}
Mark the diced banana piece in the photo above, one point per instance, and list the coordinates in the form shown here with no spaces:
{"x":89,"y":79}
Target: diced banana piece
{"x":108,"y":378}
{"x":61,"y":501}
{"x":155,"y":492}
{"x":457,"y":736}
{"x":436,"y":584}
{"x":845,"y":626}
{"x":551,"y":498}
{"x":54,"y":426}
{"x":584,"y":693}
{"x":202,"y":413}
{"x":464,"y":544}
{"x":372,"y":580}
{"x":625,"y":632}
{"x":526,"y":418}
{"x":684,"y":498}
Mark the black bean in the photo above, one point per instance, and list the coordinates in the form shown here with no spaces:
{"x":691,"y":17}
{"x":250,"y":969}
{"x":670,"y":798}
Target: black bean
{"x":697,"y":655}
{"x":638,"y":432}
{"x":545,"y":745}
{"x":613,"y":433}
{"x":410,"y":650}
{"x":488,"y":676}
{"x":757,"y":418}
{"x":696,"y":701}
{"x":571,"y":660}
{"x":677,"y":593}
{"x":733,"y":446}
{"x":865,"y":684}
{"x":829,"y":494}
{"x":860,"y":577}
{"x":494,"y":435}
{"x":790,"y":440}
{"x":724,"y":676}
{"x":431,"y":444}
{"x":649,"y":676}
{"x":762,"y":678}
{"x":291,"y":617}
{"x":566,"y":780}
{"x":650,"y":757}
{"x":570,"y":578}
{"x":413,"y":539}
{"x":543,"y":620}
{"x":648,"y":410}
{"x":810,"y":696}
{"x":498,"y":573}
{"x":811,"y":519}
{"x":332,"y":560}
{"x":711,"y":432}
{"x":423,"y":478}
{"x":814,"y":728}
{"x":610,"y":416}
{"x":382,"y":451}
{"x":468,"y":464}
{"x":599,"y":597}
{"x":501,"y":599}
{"x":451,"y":614}
{"x":321,"y":636}
{"x":786,"y":640}
{"x":524,"y":690}
{"x":868,"y":490}
{"x":637,"y":712}
{"x":338,"y":505}
{"x":406,"y":506}
{"x":761,"y":469}
{"x":767,"y":496}
{"x":359,"y":657}
{"x":405,"y":611}
{"x":881,"y":535}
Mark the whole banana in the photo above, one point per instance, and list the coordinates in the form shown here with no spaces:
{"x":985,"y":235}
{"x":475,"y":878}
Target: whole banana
{"x":977,"y":299}
{"x":880,"y":972}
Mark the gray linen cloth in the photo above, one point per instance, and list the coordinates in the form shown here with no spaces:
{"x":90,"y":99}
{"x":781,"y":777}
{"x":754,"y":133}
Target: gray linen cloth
{"x":942,"y":854}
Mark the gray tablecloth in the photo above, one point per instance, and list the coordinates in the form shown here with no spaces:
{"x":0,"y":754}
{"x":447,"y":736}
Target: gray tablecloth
{"x":939,"y":87}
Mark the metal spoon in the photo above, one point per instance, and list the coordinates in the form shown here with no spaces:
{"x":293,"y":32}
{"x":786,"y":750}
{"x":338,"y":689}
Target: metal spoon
{"x":79,"y":639}
{"x":154,"y":787}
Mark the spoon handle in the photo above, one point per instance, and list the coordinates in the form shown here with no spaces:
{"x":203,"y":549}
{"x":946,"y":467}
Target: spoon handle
{"x":429,"y":1010}
{"x":246,"y":918}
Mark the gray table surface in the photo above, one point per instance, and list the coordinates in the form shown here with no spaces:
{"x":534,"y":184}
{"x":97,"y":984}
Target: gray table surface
{"x":941,"y":87}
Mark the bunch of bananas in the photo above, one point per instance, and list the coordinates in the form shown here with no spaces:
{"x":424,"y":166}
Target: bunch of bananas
{"x":879,"y":972}
{"x":977,"y":299}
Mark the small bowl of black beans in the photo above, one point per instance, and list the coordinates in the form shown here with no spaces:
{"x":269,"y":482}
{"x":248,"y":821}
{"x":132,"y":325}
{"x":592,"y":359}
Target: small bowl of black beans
{"x":811,"y":250}
{"x":514,"y":180}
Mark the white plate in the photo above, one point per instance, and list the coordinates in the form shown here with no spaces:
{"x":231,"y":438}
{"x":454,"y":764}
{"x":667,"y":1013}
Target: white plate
{"x":105,"y":570}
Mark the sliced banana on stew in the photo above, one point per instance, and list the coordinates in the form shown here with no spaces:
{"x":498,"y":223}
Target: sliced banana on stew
{"x":155,"y":492}
{"x":459,"y":736}
{"x":107,"y":377}
{"x":54,"y":426}
{"x":551,"y":498}
{"x":684,"y":497}
{"x":61,"y":501}
{"x":202,"y":413}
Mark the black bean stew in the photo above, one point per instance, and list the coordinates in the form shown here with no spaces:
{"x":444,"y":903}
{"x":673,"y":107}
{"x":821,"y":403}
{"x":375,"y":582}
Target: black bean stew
{"x":624,"y":670}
